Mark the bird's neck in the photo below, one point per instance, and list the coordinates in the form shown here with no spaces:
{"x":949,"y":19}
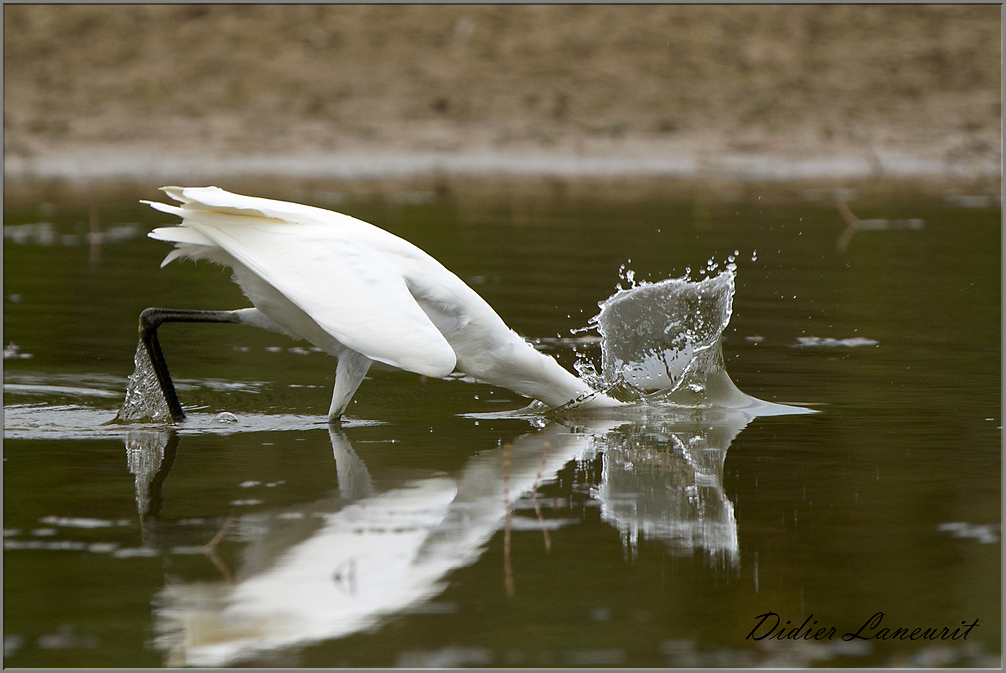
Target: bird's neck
{"x":537,"y":375}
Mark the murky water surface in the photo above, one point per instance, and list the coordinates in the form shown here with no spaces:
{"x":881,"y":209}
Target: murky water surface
{"x":436,"y":527}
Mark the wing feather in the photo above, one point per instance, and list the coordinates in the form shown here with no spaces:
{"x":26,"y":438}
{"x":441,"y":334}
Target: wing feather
{"x":342,"y":272}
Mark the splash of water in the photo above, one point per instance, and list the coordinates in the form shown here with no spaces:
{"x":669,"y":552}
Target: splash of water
{"x":662,"y":342}
{"x":144,"y":400}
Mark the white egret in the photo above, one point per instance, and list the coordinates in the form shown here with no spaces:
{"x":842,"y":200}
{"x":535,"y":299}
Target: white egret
{"x":353,"y":290}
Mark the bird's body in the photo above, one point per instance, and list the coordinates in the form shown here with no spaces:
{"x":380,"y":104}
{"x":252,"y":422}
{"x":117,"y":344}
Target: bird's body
{"x":359,"y":293}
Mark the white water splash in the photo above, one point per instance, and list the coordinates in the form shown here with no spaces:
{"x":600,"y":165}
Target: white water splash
{"x":144,"y":399}
{"x":662,"y":342}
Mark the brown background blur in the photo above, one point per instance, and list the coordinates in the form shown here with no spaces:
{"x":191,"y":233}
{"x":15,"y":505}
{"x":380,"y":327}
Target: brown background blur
{"x":233,"y":80}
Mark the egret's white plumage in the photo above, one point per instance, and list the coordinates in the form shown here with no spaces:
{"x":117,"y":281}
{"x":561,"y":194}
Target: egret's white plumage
{"x":359,"y":293}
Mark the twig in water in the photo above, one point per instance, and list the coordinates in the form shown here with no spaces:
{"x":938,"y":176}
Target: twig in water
{"x":850,"y":231}
{"x":210,"y":548}
{"x":507,"y":568}
{"x":95,"y":239}
{"x":534,"y":489}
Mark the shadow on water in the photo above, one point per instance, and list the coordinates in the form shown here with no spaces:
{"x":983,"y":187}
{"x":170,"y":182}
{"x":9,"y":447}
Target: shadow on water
{"x":336,"y":566}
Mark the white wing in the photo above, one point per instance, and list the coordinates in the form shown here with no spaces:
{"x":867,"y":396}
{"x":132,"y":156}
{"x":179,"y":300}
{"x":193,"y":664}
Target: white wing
{"x":346,"y":274}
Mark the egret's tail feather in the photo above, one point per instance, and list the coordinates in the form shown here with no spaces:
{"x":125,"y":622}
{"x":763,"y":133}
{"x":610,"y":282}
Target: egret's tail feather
{"x":177,"y":193}
{"x":216,"y":200}
{"x":188,"y":242}
{"x":180,"y":235}
{"x":165,"y":207}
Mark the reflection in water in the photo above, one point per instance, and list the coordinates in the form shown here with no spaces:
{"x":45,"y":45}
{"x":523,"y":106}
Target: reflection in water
{"x":363,"y":555}
{"x":855,"y":225}
{"x":663,"y":481}
{"x":150,"y":455}
{"x":329,"y":568}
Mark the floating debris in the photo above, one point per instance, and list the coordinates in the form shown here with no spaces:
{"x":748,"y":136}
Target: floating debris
{"x":987,"y":533}
{"x":80,"y":522}
{"x":13,"y":352}
{"x":972,"y":200}
{"x":829,"y":342}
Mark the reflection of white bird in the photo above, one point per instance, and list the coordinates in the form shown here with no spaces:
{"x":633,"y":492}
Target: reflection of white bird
{"x":326,"y":569}
{"x":353,"y":290}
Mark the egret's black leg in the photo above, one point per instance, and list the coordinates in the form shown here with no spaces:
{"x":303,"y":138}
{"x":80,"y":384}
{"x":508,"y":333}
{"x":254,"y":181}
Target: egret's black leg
{"x":150,"y":320}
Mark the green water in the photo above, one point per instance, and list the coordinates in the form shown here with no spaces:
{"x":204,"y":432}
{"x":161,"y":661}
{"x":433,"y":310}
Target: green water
{"x":388,"y":542}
